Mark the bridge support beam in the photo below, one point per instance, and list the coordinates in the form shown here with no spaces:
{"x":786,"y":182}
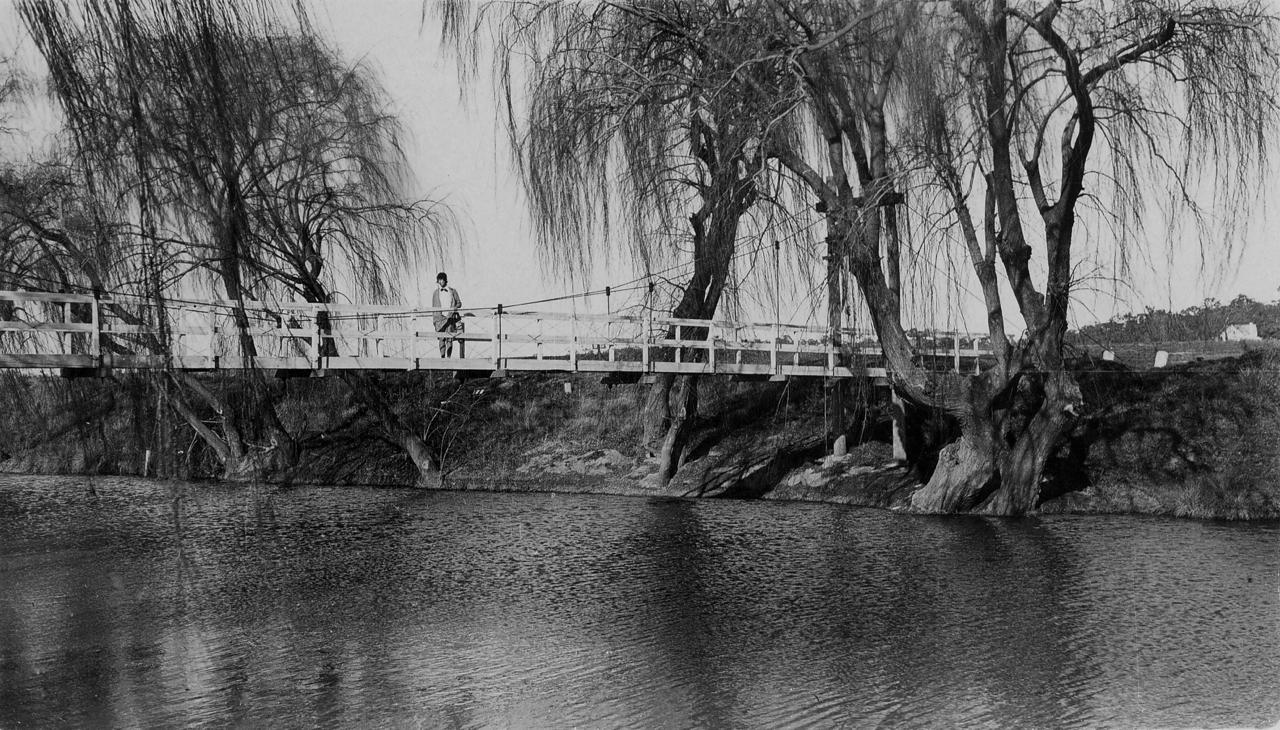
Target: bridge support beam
{"x":77,"y":373}
{"x":758,"y":378}
{"x":622,"y":378}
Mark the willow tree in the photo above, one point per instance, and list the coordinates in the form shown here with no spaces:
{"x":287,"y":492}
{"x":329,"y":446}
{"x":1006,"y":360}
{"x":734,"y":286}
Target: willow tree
{"x":624,"y":106}
{"x":1011,"y":111}
{"x":254,"y":161}
{"x":12,"y":89}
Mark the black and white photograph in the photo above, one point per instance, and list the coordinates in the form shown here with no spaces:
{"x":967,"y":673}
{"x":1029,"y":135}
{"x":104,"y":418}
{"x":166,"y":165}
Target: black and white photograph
{"x":666,"y":364}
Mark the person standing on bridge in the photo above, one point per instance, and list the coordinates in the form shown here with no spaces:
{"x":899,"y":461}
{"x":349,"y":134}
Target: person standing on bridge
{"x":446,"y":318}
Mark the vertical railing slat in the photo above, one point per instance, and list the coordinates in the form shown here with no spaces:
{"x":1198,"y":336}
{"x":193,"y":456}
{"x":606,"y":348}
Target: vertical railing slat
{"x":645,"y":355}
{"x":573,"y":343}
{"x":95,"y":338}
{"x":497,"y":338}
{"x":773,"y":348}
{"x":711,"y":346}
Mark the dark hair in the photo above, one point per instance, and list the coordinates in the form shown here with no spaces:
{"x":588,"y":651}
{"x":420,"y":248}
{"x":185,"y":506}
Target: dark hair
{"x":442,"y":275}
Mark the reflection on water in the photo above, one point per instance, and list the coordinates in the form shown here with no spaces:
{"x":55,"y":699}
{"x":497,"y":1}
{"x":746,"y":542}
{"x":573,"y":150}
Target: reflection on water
{"x":149,"y":603}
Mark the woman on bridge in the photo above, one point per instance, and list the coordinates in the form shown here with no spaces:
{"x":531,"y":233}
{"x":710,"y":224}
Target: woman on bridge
{"x":446,"y":318}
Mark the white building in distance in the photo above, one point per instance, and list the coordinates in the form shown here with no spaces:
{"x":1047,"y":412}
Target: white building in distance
{"x":1238,"y":332}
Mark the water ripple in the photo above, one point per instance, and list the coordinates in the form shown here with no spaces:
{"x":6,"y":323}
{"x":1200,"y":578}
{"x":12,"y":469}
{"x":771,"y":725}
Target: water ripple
{"x":146,"y":603}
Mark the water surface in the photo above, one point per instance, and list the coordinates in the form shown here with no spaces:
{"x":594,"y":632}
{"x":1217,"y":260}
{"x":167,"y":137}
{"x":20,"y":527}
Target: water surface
{"x":144,"y":603}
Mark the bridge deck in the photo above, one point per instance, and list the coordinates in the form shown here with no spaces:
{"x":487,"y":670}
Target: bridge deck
{"x":45,"y":330}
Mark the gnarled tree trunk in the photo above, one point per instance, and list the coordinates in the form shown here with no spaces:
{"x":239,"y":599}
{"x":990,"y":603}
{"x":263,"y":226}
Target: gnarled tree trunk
{"x":397,"y":431}
{"x":671,"y":410}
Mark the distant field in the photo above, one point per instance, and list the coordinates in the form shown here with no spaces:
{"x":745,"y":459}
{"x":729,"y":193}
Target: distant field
{"x":1140,"y":355}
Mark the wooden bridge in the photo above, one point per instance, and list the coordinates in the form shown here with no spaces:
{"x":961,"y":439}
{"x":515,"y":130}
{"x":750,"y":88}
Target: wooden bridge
{"x":83,"y":334}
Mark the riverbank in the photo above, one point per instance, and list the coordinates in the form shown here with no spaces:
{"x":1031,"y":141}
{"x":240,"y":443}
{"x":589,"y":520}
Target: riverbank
{"x":1200,"y":439}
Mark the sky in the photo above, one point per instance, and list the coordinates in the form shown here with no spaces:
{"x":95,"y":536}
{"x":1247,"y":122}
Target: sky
{"x":459,"y":154}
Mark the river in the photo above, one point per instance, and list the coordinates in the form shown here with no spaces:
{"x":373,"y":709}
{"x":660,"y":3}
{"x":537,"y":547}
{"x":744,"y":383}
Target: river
{"x":127,"y":602}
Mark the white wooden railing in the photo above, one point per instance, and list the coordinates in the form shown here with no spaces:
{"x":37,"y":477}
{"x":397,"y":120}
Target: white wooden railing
{"x":44,"y":330}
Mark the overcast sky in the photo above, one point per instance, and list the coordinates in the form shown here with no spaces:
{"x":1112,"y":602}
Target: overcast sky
{"x":460,"y":156}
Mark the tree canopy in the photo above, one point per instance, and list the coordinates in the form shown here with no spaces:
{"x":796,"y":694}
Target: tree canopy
{"x":1014,"y":132}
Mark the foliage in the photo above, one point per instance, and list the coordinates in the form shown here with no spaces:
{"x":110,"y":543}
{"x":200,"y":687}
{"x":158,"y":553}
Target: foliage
{"x":235,"y":151}
{"x":622,"y":113}
{"x":1196,"y":323}
{"x":239,"y":143}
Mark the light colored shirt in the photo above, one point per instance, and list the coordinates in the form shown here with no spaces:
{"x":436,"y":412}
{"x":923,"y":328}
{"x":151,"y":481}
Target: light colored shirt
{"x":446,"y":298}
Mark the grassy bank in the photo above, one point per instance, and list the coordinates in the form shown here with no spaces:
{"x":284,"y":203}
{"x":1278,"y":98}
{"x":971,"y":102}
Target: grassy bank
{"x":1200,"y":439}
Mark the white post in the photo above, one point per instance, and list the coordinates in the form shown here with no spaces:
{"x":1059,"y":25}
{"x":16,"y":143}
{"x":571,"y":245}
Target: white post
{"x":956,"y":350}
{"x":773,"y":348}
{"x":64,"y":337}
{"x":777,"y":282}
{"x":648,"y":335}
{"x":711,"y":346}
{"x":899,"y":414}
{"x":573,"y":342}
{"x":315,"y":337}
{"x":95,"y":339}
{"x":678,"y":338}
{"x":497,"y":338}
{"x":645,"y":354}
{"x":608,"y":323}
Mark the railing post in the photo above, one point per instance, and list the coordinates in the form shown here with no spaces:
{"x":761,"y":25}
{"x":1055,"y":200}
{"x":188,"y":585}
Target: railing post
{"x":648,"y":336}
{"x":573,"y":342}
{"x":316,"y":337}
{"x":497,"y":338}
{"x":95,"y":337}
{"x":678,"y":348}
{"x":956,"y":350}
{"x":773,"y":348}
{"x":65,"y":342}
{"x":608,"y":336}
{"x":711,"y":345}
{"x":608,"y":322}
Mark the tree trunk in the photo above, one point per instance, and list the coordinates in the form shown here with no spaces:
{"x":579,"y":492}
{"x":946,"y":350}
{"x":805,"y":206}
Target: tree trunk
{"x":964,"y":476}
{"x":396,"y":430}
{"x":241,"y":459}
{"x":966,"y":472}
{"x":680,"y":426}
{"x":667,"y":427}
{"x":657,"y":415}
{"x":996,"y":464}
{"x":1022,"y":465}
{"x":725,"y":199}
{"x":429,"y":474}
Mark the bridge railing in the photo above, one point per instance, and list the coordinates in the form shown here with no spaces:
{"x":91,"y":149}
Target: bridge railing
{"x":42,"y":329}
{"x":67,"y":330}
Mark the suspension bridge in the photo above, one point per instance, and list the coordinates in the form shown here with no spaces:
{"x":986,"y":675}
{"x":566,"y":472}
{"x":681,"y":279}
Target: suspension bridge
{"x":81,"y":334}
